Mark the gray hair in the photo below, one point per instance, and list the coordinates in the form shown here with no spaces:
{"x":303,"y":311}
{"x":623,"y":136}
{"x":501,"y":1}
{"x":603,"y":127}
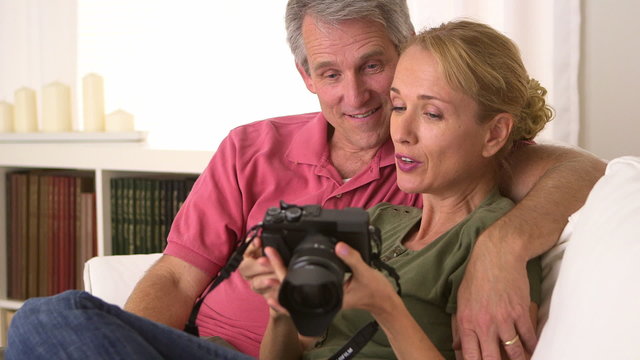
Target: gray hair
{"x":393,"y":14}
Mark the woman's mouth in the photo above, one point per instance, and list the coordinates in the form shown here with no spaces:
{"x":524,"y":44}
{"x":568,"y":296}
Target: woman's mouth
{"x":406,"y":163}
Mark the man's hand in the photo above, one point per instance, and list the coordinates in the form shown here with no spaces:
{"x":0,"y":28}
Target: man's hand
{"x":494,"y":303}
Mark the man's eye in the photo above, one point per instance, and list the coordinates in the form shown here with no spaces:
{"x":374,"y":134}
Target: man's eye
{"x":331,"y":76}
{"x":373,"y":67}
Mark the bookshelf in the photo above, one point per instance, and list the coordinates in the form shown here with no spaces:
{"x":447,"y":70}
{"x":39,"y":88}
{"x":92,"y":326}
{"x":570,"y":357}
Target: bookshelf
{"x":103,"y":161}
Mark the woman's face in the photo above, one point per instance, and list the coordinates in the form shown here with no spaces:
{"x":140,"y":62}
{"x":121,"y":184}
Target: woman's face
{"x":438,"y":140}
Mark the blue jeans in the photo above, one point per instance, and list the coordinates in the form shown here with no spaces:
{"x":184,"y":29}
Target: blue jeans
{"x":77,"y":325}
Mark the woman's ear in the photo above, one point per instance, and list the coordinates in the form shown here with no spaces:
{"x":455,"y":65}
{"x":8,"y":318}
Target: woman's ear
{"x":308,"y":82}
{"x":498,"y":132}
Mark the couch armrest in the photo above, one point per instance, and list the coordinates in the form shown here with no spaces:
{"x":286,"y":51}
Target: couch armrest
{"x":112,"y":278}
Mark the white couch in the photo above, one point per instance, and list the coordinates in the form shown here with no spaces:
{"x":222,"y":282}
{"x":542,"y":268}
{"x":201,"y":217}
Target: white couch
{"x":591,"y":304}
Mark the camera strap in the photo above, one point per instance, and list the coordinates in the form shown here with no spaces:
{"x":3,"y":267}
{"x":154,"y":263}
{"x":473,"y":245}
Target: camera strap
{"x":231,"y":266}
{"x":357,"y":342}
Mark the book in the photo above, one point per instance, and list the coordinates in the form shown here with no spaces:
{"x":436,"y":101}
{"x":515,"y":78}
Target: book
{"x":44,"y":219}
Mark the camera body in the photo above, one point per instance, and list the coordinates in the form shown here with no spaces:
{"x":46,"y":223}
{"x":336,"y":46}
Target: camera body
{"x":305,"y":238}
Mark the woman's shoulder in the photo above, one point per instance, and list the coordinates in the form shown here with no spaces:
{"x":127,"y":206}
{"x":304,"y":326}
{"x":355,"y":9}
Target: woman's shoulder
{"x":384,"y":213}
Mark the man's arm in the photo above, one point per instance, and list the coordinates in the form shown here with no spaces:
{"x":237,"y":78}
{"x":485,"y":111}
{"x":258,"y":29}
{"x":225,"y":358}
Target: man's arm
{"x":550,"y":184}
{"x":167,"y":292}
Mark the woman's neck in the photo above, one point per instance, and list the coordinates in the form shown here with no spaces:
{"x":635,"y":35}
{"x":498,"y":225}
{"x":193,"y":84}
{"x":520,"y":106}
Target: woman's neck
{"x":441,"y":212}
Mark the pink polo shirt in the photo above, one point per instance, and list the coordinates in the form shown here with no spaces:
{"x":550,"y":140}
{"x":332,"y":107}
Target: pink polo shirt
{"x":255,"y":167}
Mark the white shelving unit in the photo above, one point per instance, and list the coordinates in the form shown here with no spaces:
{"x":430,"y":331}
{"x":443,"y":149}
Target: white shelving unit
{"x":105,"y":161}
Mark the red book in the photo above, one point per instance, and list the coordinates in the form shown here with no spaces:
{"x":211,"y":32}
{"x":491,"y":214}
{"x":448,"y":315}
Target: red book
{"x":32,"y":233}
{"x":44,"y":233}
{"x":54,"y":240}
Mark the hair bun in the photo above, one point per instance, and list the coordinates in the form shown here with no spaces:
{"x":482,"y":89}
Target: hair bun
{"x":535,"y":113}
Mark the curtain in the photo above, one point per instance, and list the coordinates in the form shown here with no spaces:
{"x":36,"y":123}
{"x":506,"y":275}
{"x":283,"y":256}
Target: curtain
{"x":548,"y":35}
{"x":37,"y":45}
{"x":191,"y":70}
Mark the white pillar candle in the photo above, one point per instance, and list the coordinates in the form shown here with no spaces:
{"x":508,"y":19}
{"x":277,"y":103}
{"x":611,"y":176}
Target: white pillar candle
{"x":6,"y":117}
{"x":93,"y":102}
{"x":119,"y":120}
{"x":26,"y":119}
{"x":56,"y":108}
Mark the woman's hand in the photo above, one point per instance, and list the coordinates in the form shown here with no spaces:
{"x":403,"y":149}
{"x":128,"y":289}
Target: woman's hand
{"x":367,"y":288}
{"x":264,"y":273}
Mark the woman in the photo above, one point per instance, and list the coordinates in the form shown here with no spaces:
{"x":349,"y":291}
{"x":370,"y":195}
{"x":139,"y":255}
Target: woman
{"x":461,"y":99}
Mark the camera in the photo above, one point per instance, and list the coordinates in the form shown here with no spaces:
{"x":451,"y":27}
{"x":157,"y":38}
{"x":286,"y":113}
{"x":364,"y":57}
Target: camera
{"x":305,"y":238}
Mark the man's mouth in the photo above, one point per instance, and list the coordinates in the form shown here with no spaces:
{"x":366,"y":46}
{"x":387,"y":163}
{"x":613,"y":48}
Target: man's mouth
{"x":364,"y":115}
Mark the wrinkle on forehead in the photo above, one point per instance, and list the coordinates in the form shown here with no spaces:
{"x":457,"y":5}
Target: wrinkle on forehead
{"x":355,"y":34}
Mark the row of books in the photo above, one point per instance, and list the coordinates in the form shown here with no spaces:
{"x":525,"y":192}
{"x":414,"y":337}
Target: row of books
{"x":142,"y":210}
{"x":51,"y":231}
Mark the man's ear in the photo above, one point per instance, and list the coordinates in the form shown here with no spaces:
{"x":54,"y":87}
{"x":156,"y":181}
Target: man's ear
{"x":497,"y":135}
{"x":308,"y":82}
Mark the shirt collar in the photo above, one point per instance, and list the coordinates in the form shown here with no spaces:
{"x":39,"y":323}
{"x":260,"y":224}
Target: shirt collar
{"x":310,"y":145}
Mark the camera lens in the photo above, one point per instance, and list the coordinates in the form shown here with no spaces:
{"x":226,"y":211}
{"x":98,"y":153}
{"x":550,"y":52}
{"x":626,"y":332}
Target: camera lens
{"x":312,"y":289}
{"x":314,"y":297}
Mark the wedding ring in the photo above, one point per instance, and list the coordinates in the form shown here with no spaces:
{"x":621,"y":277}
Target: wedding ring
{"x":512,"y":341}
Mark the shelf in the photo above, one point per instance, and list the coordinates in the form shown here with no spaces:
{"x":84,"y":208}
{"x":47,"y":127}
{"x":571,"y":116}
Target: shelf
{"x":103,"y":156}
{"x":10,"y":304}
{"x":71,"y":137}
{"x":104,"y":160}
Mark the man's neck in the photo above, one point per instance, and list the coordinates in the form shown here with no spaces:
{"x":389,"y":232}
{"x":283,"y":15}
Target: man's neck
{"x":351,"y":162}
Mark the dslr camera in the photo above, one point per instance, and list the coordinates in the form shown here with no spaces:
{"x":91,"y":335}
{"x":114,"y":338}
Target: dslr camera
{"x":305,"y":238}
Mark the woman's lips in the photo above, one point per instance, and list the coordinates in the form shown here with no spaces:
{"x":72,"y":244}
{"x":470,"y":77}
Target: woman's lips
{"x":406,"y":163}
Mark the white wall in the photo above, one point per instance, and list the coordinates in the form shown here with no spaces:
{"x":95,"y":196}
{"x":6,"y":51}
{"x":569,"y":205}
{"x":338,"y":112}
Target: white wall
{"x":610,"y":78}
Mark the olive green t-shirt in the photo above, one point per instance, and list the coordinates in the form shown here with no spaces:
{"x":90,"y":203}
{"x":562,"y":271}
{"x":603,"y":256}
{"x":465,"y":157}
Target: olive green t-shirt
{"x":429,"y":277}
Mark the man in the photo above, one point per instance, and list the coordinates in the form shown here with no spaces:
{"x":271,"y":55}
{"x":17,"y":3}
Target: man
{"x":346,"y":53}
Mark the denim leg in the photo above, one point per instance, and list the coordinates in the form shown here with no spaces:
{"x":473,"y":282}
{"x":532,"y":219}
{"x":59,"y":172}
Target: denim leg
{"x":77,"y":325}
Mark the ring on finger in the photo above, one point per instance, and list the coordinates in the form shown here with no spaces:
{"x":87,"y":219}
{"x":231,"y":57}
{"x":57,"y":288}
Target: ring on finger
{"x":512,"y":341}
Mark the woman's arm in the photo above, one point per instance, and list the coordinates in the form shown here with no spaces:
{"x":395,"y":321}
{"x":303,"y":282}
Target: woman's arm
{"x":265,"y":274}
{"x":280,"y":340}
{"x":369,"y":290}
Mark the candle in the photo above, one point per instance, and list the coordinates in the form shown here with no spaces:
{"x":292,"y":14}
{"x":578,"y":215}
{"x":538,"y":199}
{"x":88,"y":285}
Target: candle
{"x":119,"y":120}
{"x":26,"y":119}
{"x":56,"y":108}
{"x":93,"y":102}
{"x":6,"y":117}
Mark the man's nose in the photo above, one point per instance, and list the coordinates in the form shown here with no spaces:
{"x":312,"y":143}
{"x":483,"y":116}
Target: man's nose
{"x":356,"y":91}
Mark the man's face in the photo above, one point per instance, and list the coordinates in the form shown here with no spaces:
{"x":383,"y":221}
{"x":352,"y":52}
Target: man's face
{"x":351,"y":68}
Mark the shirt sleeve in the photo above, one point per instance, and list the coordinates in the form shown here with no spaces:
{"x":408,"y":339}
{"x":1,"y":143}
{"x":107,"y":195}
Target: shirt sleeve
{"x":210,"y":222}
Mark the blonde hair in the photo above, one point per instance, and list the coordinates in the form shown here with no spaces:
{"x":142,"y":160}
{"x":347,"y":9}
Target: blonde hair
{"x":486,"y":65}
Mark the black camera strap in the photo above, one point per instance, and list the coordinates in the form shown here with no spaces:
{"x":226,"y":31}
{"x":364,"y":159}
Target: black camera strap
{"x":357,"y":342}
{"x":231,"y":266}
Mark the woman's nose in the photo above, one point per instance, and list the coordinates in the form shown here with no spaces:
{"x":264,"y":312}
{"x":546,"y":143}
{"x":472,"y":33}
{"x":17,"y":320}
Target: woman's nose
{"x":401,"y":127}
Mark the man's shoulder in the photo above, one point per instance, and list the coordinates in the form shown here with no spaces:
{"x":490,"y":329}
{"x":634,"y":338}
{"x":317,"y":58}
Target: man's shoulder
{"x":281,"y":123}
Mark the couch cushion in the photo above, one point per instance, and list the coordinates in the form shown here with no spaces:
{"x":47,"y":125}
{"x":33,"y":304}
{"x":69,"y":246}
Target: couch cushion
{"x":594,"y":307}
{"x":112,"y":278}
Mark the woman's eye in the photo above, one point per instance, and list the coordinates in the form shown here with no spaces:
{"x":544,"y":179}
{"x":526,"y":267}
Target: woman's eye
{"x":433,"y":115}
{"x":398,"y":108}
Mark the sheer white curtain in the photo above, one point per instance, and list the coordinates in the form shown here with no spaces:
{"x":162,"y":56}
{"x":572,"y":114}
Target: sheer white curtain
{"x":190,"y":70}
{"x":548,"y":34}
